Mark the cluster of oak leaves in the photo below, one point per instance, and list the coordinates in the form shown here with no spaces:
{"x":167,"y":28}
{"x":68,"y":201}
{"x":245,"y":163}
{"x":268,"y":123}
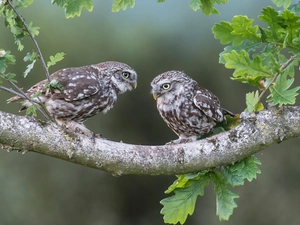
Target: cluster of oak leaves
{"x":255,"y":54}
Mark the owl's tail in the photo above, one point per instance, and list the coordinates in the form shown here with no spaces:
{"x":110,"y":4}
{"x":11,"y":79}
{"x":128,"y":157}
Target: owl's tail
{"x":25,"y":103}
{"x":227,"y":112}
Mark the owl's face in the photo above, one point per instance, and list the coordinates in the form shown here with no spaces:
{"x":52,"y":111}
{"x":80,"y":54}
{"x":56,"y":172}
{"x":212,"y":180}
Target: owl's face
{"x":124,"y":78}
{"x":168,"y":85}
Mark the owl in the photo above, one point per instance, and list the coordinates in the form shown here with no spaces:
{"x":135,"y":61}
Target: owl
{"x":189,"y":110}
{"x":84,"y":92}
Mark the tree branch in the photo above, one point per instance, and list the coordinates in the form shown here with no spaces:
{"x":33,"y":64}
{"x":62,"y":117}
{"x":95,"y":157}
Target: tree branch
{"x":255,"y":133}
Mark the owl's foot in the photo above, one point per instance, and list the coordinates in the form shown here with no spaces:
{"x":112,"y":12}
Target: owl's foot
{"x":76,"y":127}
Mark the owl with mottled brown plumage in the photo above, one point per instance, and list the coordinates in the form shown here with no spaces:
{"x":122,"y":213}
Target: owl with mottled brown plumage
{"x":189,"y":110}
{"x":85,"y":91}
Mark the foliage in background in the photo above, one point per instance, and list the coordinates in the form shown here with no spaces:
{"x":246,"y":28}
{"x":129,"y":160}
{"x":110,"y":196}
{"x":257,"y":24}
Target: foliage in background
{"x":261,"y":56}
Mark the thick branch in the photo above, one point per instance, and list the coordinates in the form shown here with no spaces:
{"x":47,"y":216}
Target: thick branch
{"x":255,"y":133}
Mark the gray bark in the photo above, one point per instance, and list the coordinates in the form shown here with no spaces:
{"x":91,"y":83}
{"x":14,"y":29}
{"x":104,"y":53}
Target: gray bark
{"x":255,"y":133}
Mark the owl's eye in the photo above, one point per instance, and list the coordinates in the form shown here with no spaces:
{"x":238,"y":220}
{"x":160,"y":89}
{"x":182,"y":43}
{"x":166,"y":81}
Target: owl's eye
{"x":125,"y":74}
{"x":166,"y":86}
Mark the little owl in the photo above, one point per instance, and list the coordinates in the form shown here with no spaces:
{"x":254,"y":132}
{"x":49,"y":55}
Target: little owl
{"x":84,"y":92}
{"x":188,"y":109}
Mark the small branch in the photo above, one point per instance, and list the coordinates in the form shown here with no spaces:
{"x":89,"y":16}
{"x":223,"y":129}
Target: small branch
{"x":255,"y":133}
{"x":283,"y":67}
{"x":33,"y":39}
{"x":44,"y":112}
{"x":12,"y":92}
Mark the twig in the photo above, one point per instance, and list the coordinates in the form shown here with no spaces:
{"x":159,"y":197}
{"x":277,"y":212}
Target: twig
{"x":34,"y":41}
{"x":283,"y":67}
{"x":12,"y":91}
{"x":44,"y":112}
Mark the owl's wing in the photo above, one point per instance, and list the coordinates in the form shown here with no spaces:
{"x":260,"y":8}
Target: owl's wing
{"x":76,"y":83}
{"x":76,"y":87}
{"x":209,"y":104}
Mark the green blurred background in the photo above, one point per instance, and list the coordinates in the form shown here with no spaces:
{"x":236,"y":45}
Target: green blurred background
{"x":152,"y":38}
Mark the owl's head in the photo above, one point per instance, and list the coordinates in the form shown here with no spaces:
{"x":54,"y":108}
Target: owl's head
{"x":170,"y":84}
{"x":123,"y":77}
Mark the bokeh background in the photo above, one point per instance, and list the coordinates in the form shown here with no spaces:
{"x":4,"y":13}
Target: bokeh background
{"x":152,"y":38}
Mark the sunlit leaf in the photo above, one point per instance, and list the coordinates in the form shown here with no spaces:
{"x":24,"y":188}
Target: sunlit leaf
{"x":54,"y":59}
{"x":242,"y":25}
{"x":284,"y":3}
{"x":182,"y":203}
{"x":246,"y":70}
{"x":74,"y":7}
{"x":252,"y":102}
{"x":122,"y":4}
{"x":223,"y":31}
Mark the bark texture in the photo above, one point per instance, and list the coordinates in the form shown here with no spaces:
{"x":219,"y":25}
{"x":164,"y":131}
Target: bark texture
{"x":255,"y":133}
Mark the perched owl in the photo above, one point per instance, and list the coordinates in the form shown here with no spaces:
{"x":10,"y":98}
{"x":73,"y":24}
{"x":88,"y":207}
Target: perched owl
{"x":188,"y":109}
{"x":84,"y":92}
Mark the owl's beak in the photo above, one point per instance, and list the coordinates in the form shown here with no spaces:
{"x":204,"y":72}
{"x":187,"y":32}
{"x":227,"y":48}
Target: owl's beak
{"x":155,"y":96}
{"x":134,"y":85}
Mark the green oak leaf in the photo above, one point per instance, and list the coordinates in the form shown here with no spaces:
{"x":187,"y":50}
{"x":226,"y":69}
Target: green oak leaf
{"x":207,"y":6}
{"x":275,"y":31}
{"x":33,"y":30}
{"x":6,"y":58}
{"x":122,"y":4}
{"x":24,"y":3}
{"x":253,"y":105}
{"x":246,"y":45}
{"x":284,"y":3}
{"x":223,"y":32}
{"x":31,"y":110}
{"x":182,"y":203}
{"x":246,"y":70}
{"x":224,"y":197}
{"x":182,"y":181}
{"x":29,"y":68}
{"x":295,"y":7}
{"x":280,"y":92}
{"x":232,"y":177}
{"x":291,"y":22}
{"x":242,"y":25}
{"x":54,"y":59}
{"x":244,"y":169}
{"x":9,"y":76}
{"x":74,"y":7}
{"x":30,"y":56}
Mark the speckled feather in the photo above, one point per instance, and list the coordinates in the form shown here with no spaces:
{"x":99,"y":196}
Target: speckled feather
{"x":188,"y":109}
{"x":85,"y":92}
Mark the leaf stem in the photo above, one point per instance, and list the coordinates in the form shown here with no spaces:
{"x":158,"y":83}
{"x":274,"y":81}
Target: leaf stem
{"x":283,"y":67}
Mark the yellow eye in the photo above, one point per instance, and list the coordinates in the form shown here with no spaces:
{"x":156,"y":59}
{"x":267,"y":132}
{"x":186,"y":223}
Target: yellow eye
{"x":125,"y":74}
{"x":166,"y":86}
